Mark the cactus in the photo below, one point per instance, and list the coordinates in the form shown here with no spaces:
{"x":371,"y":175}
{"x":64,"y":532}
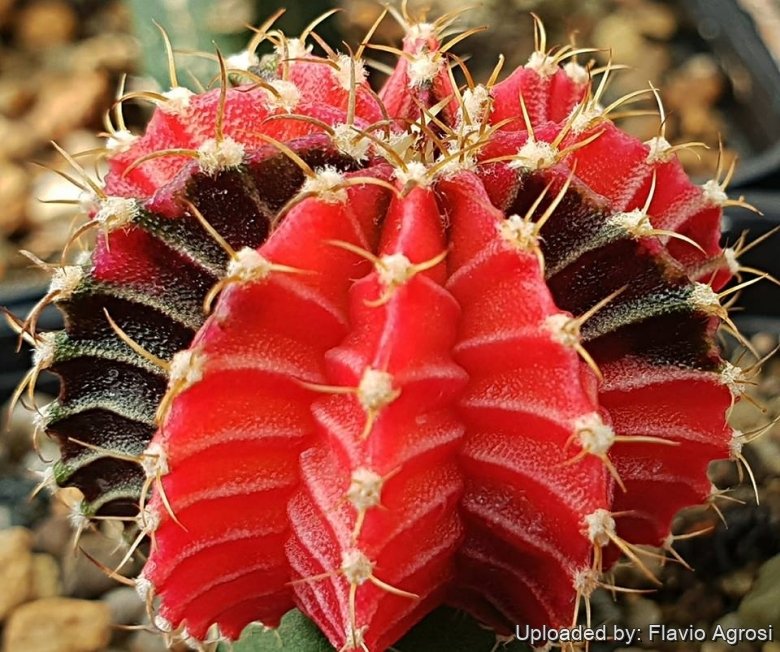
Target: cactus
{"x":365,"y":354}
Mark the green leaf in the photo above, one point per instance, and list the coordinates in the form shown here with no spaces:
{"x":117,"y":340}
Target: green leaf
{"x":444,"y":629}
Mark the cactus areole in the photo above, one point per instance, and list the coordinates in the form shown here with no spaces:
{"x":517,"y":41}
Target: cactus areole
{"x":367,"y":353}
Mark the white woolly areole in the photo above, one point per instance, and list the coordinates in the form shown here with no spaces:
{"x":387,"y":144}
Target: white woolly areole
{"x":248,"y":265}
{"x":154,"y":460}
{"x":375,"y":389}
{"x":394,"y":269}
{"x":215,"y":155}
{"x":518,"y":233}
{"x":177,"y":100}
{"x":561,"y":330}
{"x":736,"y":444}
{"x":474,"y":104}
{"x":595,"y":436}
{"x":659,"y":150}
{"x":357,"y":568}
{"x":325,"y":185}
{"x":65,"y":280}
{"x":77,"y":516}
{"x":601,"y":526}
{"x":143,"y":587}
{"x":416,"y":173}
{"x":351,"y":142}
{"x":120,"y":141}
{"x":635,"y":222}
{"x":577,"y":73}
{"x":186,"y":369}
{"x":117,"y":212}
{"x":286,"y":97}
{"x":542,"y":63}
{"x":730,"y":258}
{"x":713,"y":193}
{"x":732,"y":377}
{"x":149,"y":519}
{"x":296,"y":49}
{"x":344,"y":72}
{"x":243,"y":60}
{"x":586,"y":581}
{"x":365,"y":489}
{"x":355,"y":638}
{"x":421,"y":31}
{"x":41,"y":418}
{"x":48,"y":481}
{"x":163,"y":624}
{"x":535,"y":155}
{"x":704,"y":298}
{"x":43,"y":355}
{"x":423,"y":67}
{"x":583,"y":117}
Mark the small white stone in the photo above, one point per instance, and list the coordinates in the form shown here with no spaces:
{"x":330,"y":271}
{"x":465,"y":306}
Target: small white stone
{"x":65,"y":280}
{"x":177,"y":100}
{"x":215,"y":155}
{"x":351,"y":142}
{"x":186,"y":369}
{"x":248,"y":265}
{"x":344,"y":72}
{"x":577,"y":73}
{"x":286,"y":97}
{"x":423,"y":67}
{"x":394,"y":269}
{"x":601,"y":527}
{"x":117,"y":212}
{"x":595,"y":436}
{"x":535,"y":155}
{"x":357,"y":568}
{"x":416,"y":173}
{"x":713,"y":193}
{"x":120,"y":141}
{"x":542,"y":63}
{"x":376,"y":389}
{"x":365,"y":489}
{"x":659,"y":150}
{"x":325,"y":184}
{"x":243,"y":60}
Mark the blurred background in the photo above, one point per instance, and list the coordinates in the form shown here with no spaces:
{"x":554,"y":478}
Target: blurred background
{"x":61,"y":63}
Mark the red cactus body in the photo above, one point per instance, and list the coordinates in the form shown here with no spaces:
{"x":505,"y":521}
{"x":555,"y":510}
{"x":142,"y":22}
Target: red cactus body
{"x":459,"y":346}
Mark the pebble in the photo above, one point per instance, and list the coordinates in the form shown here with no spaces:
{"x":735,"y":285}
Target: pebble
{"x":125,"y":605}
{"x":58,"y":625}
{"x":13,"y":196}
{"x":16,"y":564}
{"x":761,"y":606}
{"x":46,"y":24}
{"x":45,"y":577}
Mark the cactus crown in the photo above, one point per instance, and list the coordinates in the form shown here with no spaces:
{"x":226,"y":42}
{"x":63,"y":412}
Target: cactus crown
{"x":368,"y":353}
